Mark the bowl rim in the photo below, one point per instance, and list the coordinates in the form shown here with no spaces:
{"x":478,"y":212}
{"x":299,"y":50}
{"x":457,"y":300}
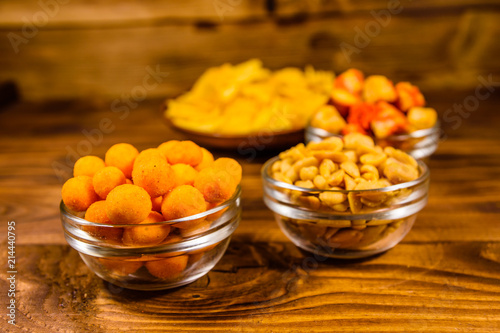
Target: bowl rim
{"x":64,"y":210}
{"x":424,"y":176}
{"x":418,"y":134}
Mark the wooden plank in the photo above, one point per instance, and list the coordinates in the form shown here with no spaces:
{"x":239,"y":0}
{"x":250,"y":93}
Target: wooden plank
{"x":51,"y":14}
{"x":272,"y":286}
{"x":445,"y":53}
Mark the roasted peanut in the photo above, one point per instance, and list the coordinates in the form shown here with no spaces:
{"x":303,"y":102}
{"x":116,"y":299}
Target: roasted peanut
{"x":350,"y":184}
{"x":320,"y":182}
{"x":276,"y":166}
{"x":354,"y":202}
{"x":304,"y":183}
{"x":327,"y":167}
{"x":330,"y":232}
{"x":404,"y":158}
{"x":336,"y":157}
{"x":354,"y":140}
{"x":292,"y":174}
{"x":350,"y":168}
{"x":351,"y":155}
{"x":308,"y":173}
{"x":342,"y":207}
{"x":305,"y":162}
{"x":334,"y":144}
{"x":345,"y":238}
{"x":331,"y":199}
{"x":399,"y":173}
{"x":336,"y":178}
{"x":371,"y":234}
{"x":373,"y":159}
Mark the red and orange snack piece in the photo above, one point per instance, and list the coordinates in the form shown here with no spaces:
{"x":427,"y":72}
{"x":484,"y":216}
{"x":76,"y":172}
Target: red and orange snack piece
{"x":88,"y":166}
{"x":183,"y":201}
{"x":121,"y":267}
{"x":379,"y":88}
{"x":107,"y":179}
{"x":128,"y":204}
{"x":184,"y":174}
{"x":97,"y":213}
{"x":186,"y":152}
{"x":147,"y":235}
{"x":215,"y":184}
{"x":408,"y":96}
{"x":154,"y":175}
{"x":351,"y":80}
{"x":169,"y":268}
{"x":206,"y":161}
{"x":122,"y":156}
{"x":78,"y":193}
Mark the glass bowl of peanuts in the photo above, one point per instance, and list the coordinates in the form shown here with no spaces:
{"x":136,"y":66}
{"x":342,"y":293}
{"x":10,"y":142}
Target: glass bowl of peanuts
{"x":345,"y":197}
{"x":192,"y":248}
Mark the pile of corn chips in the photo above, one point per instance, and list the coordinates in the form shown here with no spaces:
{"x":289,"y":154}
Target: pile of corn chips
{"x":248,"y":99}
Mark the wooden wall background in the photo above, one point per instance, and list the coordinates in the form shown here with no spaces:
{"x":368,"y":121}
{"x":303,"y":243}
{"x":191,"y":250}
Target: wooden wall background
{"x":102,"y":48}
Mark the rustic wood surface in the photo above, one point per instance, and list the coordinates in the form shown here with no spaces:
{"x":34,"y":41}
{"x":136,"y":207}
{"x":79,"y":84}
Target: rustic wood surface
{"x":62,"y":49}
{"x":444,"y":276}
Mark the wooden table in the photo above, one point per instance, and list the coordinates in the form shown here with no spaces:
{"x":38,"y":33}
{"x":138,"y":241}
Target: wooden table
{"x":444,"y":276}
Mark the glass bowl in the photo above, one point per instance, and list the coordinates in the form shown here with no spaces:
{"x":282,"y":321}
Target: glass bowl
{"x":367,"y":223}
{"x":191,"y":249}
{"x":420,"y":144}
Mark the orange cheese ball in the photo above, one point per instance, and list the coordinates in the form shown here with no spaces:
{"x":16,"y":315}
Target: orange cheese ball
{"x":88,"y":166}
{"x":183,"y":201}
{"x":78,"y":193}
{"x":122,"y":156}
{"x":121,"y":267}
{"x":169,"y":268}
{"x":148,"y":154}
{"x":214,"y":216}
{"x":147,"y":234}
{"x":157,"y":203}
{"x":128,"y":204}
{"x":231,"y":166}
{"x":154,"y":175}
{"x":191,"y":228}
{"x":206,"y":161}
{"x":215,"y":184}
{"x":97,"y":213}
{"x":184,"y":174}
{"x":164,"y":148}
{"x":186,"y":152}
{"x":107,"y":179}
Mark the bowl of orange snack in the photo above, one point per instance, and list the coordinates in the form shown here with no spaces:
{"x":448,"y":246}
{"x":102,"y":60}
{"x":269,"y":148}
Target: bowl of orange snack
{"x":155,"y":219}
{"x":394,"y":115}
{"x":247,"y":105}
{"x":345,"y":198}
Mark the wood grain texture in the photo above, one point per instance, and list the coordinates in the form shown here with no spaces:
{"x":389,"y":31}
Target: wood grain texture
{"x":444,"y":276}
{"x":105,"y":49}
